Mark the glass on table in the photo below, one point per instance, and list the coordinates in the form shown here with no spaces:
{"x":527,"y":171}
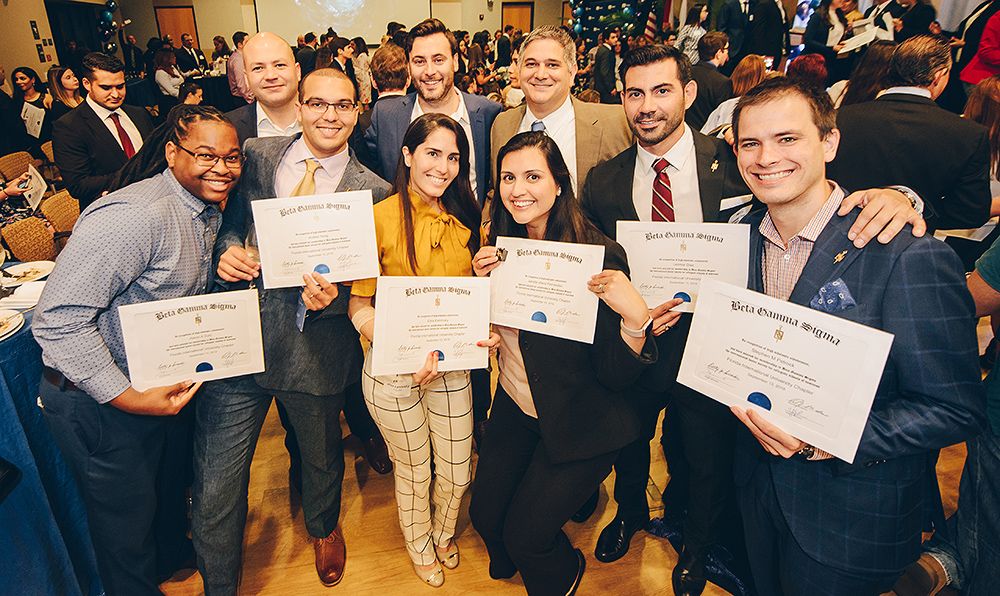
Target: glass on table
{"x":251,"y":248}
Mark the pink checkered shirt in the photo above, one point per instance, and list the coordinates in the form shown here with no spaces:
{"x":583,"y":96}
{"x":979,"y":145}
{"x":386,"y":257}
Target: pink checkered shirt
{"x":783,"y":265}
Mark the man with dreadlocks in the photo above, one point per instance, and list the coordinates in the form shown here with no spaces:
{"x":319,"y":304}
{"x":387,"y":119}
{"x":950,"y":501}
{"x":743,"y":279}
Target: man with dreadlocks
{"x":148,"y":241}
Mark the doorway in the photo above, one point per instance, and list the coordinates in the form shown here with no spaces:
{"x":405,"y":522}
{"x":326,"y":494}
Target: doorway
{"x":520,"y":15}
{"x":175,"y":20}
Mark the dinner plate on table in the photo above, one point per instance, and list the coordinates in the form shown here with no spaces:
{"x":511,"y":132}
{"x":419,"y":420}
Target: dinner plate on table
{"x":10,"y":322}
{"x":25,"y":272}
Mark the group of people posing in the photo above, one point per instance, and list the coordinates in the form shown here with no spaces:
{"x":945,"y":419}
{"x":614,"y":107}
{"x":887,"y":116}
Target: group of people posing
{"x":450,"y":174}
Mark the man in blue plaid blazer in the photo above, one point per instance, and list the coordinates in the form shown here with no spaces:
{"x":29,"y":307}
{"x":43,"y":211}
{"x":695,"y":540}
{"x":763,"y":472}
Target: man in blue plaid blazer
{"x":815,"y":524}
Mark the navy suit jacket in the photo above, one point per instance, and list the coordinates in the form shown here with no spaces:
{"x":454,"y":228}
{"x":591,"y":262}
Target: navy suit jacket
{"x":326,"y":357}
{"x":867,"y":516}
{"x":391,"y":118}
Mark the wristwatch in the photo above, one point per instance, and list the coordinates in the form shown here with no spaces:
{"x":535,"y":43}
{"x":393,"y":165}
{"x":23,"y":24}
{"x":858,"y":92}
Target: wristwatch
{"x":806,"y":453}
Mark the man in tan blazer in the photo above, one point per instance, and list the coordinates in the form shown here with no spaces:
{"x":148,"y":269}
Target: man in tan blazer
{"x":586,"y":133}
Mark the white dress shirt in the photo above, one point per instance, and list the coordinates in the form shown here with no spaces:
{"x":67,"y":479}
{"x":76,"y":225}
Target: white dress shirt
{"x":292,"y":168}
{"x":130,"y":129}
{"x":683,"y":173}
{"x":560,"y":125}
{"x":266,"y":128}
{"x":461,"y":115}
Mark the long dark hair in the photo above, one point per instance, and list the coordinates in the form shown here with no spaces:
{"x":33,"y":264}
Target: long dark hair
{"x":31,"y":74}
{"x":566,"y":221}
{"x":360,"y":46}
{"x":151,"y":160}
{"x":694,"y":15}
{"x":456,"y":200}
{"x":823,"y":12}
{"x":871,"y":74}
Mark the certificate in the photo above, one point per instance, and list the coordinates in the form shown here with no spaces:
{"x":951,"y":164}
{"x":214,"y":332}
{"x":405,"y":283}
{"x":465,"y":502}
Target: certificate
{"x":859,"y":41}
{"x":813,"y":375}
{"x":669,"y":260}
{"x":36,"y":188}
{"x":332,"y":234}
{"x":541,"y":286}
{"x":33,"y":118}
{"x":418,"y":315}
{"x":197,"y":338}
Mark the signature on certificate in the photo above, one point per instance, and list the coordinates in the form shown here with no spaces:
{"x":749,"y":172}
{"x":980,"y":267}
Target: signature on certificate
{"x":715,"y":372}
{"x":798,"y":408}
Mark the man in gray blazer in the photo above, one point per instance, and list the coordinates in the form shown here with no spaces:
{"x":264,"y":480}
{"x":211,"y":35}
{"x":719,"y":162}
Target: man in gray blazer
{"x":311,"y":350}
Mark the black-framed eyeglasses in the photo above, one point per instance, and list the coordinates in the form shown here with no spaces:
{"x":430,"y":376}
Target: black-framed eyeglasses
{"x":319,"y":107}
{"x":208,"y":160}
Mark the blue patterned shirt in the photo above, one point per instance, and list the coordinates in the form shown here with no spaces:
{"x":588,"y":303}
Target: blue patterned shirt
{"x":148,"y":241}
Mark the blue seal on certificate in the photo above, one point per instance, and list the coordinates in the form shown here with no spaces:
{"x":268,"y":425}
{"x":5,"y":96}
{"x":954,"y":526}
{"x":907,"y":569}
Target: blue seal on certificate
{"x":440,"y":355}
{"x":683,"y":296}
{"x":321,"y":269}
{"x":539,"y":316}
{"x":204,"y":367}
{"x":759,"y":399}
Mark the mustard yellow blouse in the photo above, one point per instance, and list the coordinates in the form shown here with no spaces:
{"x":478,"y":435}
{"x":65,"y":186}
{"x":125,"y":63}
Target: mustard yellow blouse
{"x":440,"y":241}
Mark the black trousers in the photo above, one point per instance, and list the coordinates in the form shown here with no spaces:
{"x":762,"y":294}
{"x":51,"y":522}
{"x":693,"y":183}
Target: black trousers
{"x":632,"y":471}
{"x":521,"y":499}
{"x":359,"y":421}
{"x":780,"y":566}
{"x":173,"y":479}
{"x":482,"y":397}
{"x":114,"y":457}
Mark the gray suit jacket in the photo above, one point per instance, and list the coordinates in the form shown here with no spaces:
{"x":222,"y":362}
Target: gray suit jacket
{"x":326,"y":357}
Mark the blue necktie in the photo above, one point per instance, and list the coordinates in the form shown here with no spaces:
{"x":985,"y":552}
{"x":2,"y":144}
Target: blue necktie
{"x":537,"y":126}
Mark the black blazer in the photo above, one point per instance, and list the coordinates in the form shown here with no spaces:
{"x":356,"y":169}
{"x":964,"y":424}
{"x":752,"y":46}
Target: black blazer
{"x":713,"y":89}
{"x":503,"y":52}
{"x":306,"y":57}
{"x":604,"y":73}
{"x":581,"y":391}
{"x":905,"y":139}
{"x":734,"y":23}
{"x":185,"y":63}
{"x":244,"y":118}
{"x":893,"y":9}
{"x":916,"y":21}
{"x":768,"y":34}
{"x":607,"y":199}
{"x":87,"y":154}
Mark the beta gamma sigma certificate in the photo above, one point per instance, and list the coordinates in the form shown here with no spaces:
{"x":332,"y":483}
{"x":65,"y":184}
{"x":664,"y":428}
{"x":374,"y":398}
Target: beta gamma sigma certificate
{"x":415,"y":316}
{"x":331,"y":234}
{"x":814,"y":374}
{"x":669,"y":260}
{"x":197,"y":338}
{"x":541,"y":286}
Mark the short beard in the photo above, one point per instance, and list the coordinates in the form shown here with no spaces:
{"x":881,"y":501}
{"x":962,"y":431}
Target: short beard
{"x":446,"y":88}
{"x":657,"y":137}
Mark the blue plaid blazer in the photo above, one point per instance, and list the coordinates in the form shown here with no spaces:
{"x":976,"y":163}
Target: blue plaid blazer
{"x":867,"y":516}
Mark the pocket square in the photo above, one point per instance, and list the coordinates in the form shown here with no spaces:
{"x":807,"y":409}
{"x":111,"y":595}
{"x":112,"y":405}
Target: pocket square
{"x":833,"y":297}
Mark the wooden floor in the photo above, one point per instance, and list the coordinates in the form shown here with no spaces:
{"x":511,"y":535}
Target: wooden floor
{"x":279,"y":558}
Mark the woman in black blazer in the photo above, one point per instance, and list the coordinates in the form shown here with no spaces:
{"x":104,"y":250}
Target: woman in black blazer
{"x":561,"y":411}
{"x":825,"y":35}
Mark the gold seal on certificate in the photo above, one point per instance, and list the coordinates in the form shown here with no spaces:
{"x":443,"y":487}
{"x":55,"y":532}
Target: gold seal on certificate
{"x":669,"y":260}
{"x":331,"y":234}
{"x":197,"y":338}
{"x":815,"y":375}
{"x":541,"y":286}
{"x":418,"y":315}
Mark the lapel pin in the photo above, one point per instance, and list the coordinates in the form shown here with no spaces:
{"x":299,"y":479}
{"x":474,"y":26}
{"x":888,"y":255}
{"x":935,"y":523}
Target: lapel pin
{"x":840,"y":256}
{"x":715,"y":165}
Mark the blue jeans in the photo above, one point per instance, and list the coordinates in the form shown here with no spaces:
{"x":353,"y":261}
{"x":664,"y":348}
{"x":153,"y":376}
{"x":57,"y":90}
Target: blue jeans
{"x":970,"y":549}
{"x":229,"y":416}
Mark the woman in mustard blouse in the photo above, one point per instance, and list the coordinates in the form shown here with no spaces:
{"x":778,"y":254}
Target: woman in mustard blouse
{"x":430,"y":227}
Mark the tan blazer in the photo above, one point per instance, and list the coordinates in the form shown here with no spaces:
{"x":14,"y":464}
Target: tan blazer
{"x":601,"y":133}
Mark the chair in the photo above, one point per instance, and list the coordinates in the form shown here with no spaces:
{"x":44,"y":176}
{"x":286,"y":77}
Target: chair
{"x":30,"y":240}
{"x":62,"y":211}
{"x":49,"y":170}
{"x":14,"y":164}
{"x":47,"y":150}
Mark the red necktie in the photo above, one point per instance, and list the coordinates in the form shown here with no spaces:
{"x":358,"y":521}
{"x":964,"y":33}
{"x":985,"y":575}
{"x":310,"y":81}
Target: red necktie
{"x":663,"y":199}
{"x":123,"y":136}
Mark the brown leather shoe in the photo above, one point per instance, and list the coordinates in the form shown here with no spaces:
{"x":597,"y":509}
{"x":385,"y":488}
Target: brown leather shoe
{"x":331,"y":556}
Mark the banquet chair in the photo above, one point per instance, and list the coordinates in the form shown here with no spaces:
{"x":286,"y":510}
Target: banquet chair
{"x":30,"y":240}
{"x":49,"y":170}
{"x":62,"y":211}
{"x":14,"y":164}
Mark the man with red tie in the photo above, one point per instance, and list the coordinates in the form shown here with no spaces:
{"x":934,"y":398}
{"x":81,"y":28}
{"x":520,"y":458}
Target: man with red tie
{"x":97,"y":137}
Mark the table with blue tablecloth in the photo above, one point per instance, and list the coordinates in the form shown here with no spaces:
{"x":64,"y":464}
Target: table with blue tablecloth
{"x":45,"y":545}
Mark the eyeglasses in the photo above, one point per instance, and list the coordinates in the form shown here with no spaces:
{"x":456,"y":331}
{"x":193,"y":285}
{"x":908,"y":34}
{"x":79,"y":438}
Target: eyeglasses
{"x":319,"y":107}
{"x":208,"y":160}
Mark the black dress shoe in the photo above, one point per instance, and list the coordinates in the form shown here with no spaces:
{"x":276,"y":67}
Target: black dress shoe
{"x":688,"y":578}
{"x":614,"y":540}
{"x":579,"y":573}
{"x":377,"y":454}
{"x":587,"y":509}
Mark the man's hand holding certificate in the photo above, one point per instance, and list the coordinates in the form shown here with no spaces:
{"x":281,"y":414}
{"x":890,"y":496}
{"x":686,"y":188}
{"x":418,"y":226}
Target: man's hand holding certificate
{"x":541,"y":286}
{"x":812,"y":375}
{"x":199,"y":338}
{"x":418,"y":315}
{"x":669,"y":260}
{"x":331,"y":234}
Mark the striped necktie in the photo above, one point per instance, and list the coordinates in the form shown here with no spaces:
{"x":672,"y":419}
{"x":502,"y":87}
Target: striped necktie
{"x":306,"y":186}
{"x":663,"y":199}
